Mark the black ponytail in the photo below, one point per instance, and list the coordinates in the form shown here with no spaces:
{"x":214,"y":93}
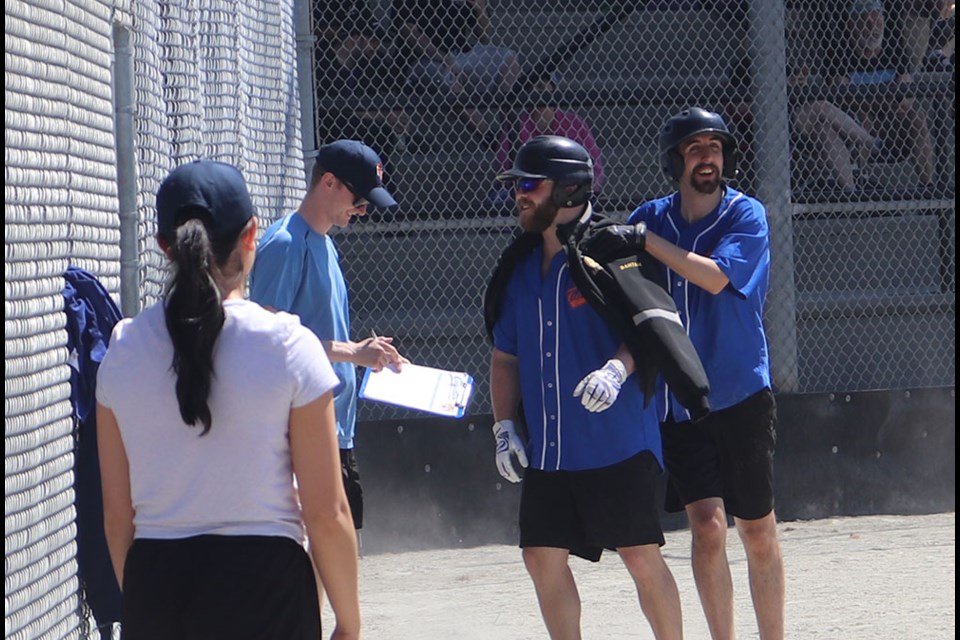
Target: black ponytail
{"x":194,"y":313}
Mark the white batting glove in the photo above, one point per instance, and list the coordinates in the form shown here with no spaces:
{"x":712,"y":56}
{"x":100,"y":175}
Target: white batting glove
{"x":508,"y":442}
{"x":600,"y":388}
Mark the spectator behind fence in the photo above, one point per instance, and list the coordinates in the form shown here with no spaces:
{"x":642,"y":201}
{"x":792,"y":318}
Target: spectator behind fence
{"x":928,"y":33}
{"x":941,"y":52}
{"x":836,"y":137}
{"x":354,"y":62}
{"x":869,"y":50}
{"x":207,"y":405}
{"x":544,"y":119}
{"x":448,"y":45}
{"x":843,"y":145}
{"x":739,"y":113}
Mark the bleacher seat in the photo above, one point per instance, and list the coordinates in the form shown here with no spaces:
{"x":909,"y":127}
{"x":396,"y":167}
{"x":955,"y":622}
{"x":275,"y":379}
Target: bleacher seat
{"x":705,"y":44}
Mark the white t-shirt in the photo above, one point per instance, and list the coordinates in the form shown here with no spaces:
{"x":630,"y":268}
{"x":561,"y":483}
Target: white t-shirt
{"x":238,"y":478}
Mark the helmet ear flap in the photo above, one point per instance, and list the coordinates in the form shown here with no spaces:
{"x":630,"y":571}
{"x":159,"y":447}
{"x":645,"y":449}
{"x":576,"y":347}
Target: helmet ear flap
{"x":676,"y":164}
{"x":730,"y":160}
{"x":565,"y":196}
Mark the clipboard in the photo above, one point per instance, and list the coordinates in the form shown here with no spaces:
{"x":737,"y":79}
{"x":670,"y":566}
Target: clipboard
{"x":437,"y":391}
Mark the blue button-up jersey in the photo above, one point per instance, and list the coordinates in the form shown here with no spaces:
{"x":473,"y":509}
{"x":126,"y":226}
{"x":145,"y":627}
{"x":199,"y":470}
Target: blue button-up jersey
{"x":726,"y":329}
{"x":558,"y":339}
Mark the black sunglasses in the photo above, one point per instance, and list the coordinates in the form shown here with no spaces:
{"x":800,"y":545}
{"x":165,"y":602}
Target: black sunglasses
{"x":358,"y":201}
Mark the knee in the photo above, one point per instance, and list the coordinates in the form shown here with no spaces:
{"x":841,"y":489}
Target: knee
{"x":812,"y":118}
{"x":819,"y":113}
{"x":709,"y":534}
{"x":759,"y":537}
{"x":539,"y":562}
{"x":643,"y":562}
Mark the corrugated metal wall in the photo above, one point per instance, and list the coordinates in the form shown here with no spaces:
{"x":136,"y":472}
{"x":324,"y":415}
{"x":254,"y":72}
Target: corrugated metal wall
{"x":213,"y":79}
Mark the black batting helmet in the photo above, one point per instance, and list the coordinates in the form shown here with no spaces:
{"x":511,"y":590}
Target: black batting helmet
{"x":684,"y":126}
{"x":559,"y":159}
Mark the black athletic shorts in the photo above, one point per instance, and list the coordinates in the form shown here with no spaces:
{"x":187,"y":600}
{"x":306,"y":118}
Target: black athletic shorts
{"x":592,"y":510}
{"x":728,"y":454}
{"x":351,"y":483}
{"x":214,"y":587}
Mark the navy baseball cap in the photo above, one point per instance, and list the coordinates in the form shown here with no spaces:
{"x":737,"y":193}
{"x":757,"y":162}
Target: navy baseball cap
{"x":359,"y":167}
{"x":206,"y":189}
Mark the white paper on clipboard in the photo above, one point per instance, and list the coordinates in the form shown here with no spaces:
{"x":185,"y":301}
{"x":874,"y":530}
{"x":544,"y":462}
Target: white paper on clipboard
{"x":444,"y":393}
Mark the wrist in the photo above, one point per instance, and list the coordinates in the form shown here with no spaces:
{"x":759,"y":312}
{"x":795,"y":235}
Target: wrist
{"x":617,"y":367}
{"x":640,"y":230}
{"x":502,"y":425}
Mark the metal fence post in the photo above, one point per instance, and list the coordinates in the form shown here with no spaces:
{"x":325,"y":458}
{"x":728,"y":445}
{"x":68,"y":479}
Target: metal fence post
{"x":772,"y":148}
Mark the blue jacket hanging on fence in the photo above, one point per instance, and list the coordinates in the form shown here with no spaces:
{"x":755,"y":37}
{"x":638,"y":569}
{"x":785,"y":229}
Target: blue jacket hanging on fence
{"x":91,"y":316}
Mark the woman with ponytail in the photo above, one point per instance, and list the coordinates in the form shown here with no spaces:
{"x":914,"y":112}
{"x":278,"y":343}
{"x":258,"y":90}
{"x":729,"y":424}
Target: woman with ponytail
{"x":208,"y":406}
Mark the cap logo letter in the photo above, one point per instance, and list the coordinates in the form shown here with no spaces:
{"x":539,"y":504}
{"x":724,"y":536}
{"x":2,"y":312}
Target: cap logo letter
{"x":380,"y":172}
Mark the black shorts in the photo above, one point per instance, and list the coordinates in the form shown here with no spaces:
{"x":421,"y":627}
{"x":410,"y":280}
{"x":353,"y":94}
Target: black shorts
{"x":351,"y":483}
{"x":589,"y":511}
{"x":215,"y":587}
{"x":728,"y":455}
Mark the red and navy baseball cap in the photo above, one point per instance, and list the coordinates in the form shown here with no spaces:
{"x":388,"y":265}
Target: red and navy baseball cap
{"x":212,"y":191}
{"x":359,"y":167}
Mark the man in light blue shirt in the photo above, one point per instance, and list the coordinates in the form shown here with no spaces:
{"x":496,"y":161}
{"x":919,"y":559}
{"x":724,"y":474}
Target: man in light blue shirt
{"x":297,"y":269}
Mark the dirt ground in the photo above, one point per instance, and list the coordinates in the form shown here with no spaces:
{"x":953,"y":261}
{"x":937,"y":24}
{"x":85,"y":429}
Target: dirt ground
{"x":860,"y":578}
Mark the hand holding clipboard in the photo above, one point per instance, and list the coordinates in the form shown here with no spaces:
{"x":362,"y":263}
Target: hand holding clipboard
{"x":437,"y":391}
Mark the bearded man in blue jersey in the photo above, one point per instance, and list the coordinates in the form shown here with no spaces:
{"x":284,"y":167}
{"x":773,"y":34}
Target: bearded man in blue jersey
{"x":714,"y":246}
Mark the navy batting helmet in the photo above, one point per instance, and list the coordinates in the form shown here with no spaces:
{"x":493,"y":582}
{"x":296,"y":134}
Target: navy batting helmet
{"x":559,"y":159}
{"x":685,"y":125}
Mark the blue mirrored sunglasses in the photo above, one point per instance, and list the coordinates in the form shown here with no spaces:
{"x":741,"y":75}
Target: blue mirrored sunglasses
{"x":526,"y":185}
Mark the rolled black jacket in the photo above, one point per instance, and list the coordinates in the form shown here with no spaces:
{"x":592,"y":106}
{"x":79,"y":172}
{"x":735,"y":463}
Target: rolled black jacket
{"x":629,"y":294}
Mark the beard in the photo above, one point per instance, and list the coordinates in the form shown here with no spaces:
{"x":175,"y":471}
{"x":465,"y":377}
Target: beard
{"x":540,"y":217}
{"x":705,"y":185}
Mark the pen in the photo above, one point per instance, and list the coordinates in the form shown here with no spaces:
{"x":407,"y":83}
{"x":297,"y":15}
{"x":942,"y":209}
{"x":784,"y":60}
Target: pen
{"x":373,"y":334}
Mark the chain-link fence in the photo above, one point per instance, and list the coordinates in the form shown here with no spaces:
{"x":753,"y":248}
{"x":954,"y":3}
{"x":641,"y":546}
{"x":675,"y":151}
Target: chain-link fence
{"x":843,"y":112}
